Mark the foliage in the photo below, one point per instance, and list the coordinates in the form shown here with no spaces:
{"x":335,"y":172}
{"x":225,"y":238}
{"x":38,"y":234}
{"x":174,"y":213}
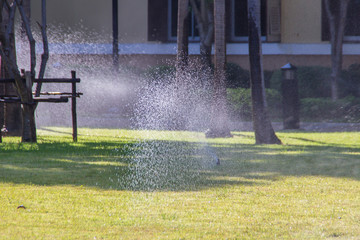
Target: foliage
{"x":324,"y":109}
{"x":236,"y":76}
{"x":239,"y":101}
{"x":350,"y":82}
{"x":313,"y":81}
{"x":160,"y":73}
{"x":71,"y":190}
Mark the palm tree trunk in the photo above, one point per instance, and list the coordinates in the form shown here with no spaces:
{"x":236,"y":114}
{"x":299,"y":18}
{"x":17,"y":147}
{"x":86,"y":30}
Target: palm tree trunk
{"x":182,"y":37}
{"x":11,"y":112}
{"x":337,"y":22}
{"x":219,"y":122}
{"x":205,"y":24}
{"x":264,"y":132}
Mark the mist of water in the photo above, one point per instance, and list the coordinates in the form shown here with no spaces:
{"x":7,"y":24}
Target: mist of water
{"x":169,"y":104}
{"x":127,"y":99}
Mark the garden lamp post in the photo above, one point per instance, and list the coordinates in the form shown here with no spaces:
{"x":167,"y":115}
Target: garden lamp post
{"x":290,"y":97}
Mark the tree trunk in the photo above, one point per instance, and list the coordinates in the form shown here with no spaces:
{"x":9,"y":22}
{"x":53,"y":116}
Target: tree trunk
{"x":337,"y":21}
{"x":29,"y":126}
{"x":219,"y":121}
{"x":182,"y":37}
{"x":8,"y":55}
{"x":205,"y":24}
{"x":115,"y":19}
{"x":45,"y":55}
{"x":264,"y":132}
{"x":28,"y":111}
{"x":11,"y":113}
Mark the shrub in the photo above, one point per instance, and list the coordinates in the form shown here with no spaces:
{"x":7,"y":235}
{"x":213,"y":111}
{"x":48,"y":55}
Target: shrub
{"x":237,"y":77}
{"x":239,"y":102}
{"x":324,"y":109}
{"x":313,"y":81}
{"x":350,"y":82}
{"x":161,"y":73}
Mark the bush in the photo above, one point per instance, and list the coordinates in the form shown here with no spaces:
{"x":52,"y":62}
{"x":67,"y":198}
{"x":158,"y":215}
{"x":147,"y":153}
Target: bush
{"x":161,"y":73}
{"x":237,"y":77}
{"x":350,"y":83}
{"x":324,"y":109}
{"x":313,"y":81}
{"x":239,"y":102}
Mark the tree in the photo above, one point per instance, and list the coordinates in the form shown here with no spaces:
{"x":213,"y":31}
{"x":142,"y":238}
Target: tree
{"x":115,"y":25}
{"x":336,"y":12}
{"x":219,"y":121}
{"x":8,"y":56}
{"x":182,"y":37}
{"x":11,"y":113}
{"x":264,"y":132}
{"x":203,"y":11}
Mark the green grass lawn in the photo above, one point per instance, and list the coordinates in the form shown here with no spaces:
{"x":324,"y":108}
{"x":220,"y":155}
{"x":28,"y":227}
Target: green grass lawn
{"x":123,"y":184}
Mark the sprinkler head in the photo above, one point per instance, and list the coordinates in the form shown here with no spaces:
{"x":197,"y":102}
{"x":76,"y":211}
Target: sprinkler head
{"x":4,"y":129}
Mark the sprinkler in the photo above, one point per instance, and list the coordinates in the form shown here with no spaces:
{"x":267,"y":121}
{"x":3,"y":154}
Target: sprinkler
{"x":210,"y":152}
{"x":4,"y":129}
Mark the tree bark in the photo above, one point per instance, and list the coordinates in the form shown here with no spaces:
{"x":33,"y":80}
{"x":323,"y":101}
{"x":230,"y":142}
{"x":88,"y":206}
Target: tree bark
{"x":219,"y":121}
{"x":182,"y":37}
{"x":45,"y":55}
{"x":205,"y":23}
{"x":24,"y":89}
{"x":28,"y":110}
{"x":264,"y":132}
{"x":11,"y":117}
{"x":336,"y":15}
{"x":115,"y":18}
{"x":26,"y":24}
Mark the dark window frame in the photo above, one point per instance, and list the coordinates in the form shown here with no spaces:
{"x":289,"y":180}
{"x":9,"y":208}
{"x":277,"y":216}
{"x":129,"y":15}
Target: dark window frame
{"x":241,"y":37}
{"x":350,"y":23}
{"x":193,"y":34}
{"x":231,"y":36}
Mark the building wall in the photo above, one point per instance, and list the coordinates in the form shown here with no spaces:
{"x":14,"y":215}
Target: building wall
{"x":133,"y":15}
{"x":301,"y":21}
{"x":90,"y":21}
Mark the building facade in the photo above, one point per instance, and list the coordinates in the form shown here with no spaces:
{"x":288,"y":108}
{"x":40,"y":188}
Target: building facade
{"x":293,"y":31}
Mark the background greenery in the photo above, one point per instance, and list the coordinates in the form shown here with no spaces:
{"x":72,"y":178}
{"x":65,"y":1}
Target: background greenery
{"x":314,"y":92}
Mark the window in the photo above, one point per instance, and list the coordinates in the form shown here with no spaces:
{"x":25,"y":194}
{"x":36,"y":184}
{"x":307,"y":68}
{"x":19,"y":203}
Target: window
{"x":352,"y":32}
{"x":239,"y":20}
{"x":162,"y":21}
{"x":238,"y":25}
{"x":172,"y":16}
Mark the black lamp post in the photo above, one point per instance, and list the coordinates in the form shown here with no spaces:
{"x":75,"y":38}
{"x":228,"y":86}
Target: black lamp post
{"x":290,"y":94}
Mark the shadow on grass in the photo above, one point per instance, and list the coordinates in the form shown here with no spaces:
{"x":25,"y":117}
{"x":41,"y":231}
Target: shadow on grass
{"x":169,"y":165}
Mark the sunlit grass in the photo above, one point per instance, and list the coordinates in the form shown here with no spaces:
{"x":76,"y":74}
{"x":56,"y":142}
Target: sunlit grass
{"x":307,"y":188}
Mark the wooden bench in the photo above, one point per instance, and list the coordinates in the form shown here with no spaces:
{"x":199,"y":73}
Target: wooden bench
{"x":50,"y":97}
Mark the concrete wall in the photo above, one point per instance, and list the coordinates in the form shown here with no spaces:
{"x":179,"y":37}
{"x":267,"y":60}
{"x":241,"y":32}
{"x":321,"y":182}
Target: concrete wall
{"x":91,"y":20}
